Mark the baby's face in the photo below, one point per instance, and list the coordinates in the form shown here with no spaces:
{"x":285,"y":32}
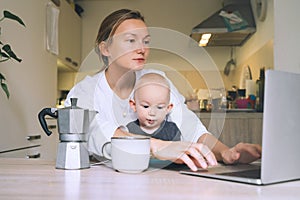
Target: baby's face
{"x":152,"y":106}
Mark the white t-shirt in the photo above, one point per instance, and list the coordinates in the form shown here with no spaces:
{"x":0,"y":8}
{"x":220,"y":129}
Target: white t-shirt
{"x":94,"y":93}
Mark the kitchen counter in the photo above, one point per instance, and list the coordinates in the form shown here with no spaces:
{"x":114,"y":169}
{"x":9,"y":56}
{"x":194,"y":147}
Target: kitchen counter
{"x":234,"y":127}
{"x":38,"y":179}
{"x":230,"y":114}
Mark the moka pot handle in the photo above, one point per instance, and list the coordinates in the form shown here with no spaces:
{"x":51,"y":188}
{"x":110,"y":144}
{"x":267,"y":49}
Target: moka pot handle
{"x":52,"y":112}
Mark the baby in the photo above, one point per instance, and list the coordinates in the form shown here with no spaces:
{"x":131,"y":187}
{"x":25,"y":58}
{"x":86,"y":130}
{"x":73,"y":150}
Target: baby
{"x":152,"y":104}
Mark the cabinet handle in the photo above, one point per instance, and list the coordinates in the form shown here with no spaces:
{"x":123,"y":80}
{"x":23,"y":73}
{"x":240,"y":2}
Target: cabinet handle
{"x":68,"y":59}
{"x":51,"y":126}
{"x":33,"y":137}
{"x":38,"y":155}
{"x":75,"y":64}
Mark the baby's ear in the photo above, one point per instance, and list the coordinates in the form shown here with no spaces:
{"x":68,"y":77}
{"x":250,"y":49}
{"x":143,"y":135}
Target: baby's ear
{"x":132,"y":105}
{"x":169,"y":108}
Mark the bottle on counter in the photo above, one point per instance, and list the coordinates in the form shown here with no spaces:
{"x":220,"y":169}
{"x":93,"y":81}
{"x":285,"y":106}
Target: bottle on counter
{"x":209,"y":105}
{"x":223,"y":99}
{"x":260,"y":86}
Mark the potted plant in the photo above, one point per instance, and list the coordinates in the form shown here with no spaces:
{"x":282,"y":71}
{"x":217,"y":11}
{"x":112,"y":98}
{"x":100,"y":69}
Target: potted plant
{"x":6,"y":53}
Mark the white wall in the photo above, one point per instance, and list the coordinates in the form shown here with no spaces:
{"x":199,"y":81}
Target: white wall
{"x":286,"y":36}
{"x":282,"y":27}
{"x":264,"y":33}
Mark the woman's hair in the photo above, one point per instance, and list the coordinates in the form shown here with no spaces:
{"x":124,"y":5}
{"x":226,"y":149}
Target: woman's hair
{"x":111,"y":23}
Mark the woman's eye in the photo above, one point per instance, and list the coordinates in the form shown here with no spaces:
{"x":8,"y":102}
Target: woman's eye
{"x":131,"y":40}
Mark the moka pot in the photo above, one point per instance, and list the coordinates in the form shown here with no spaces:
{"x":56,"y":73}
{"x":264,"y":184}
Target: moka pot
{"x":73,"y":124}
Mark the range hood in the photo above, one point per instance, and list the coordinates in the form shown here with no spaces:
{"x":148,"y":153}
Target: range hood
{"x":215,"y":25}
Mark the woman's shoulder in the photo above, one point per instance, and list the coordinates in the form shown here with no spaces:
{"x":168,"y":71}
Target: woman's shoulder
{"x":86,"y":85}
{"x":84,"y":90}
{"x":89,"y":80}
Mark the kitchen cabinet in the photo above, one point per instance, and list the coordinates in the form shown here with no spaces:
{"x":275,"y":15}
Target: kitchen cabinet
{"x":235,"y":127}
{"x":32,"y":83}
{"x":36,"y":146}
{"x":66,"y":80}
{"x":29,"y":153}
{"x":31,"y":149}
{"x":69,"y":36}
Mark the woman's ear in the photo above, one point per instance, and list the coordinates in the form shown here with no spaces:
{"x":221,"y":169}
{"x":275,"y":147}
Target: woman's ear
{"x":132,"y":105}
{"x":104,"y":48}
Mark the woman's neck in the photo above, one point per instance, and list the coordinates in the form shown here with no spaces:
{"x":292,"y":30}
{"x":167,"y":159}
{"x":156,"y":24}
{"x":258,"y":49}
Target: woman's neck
{"x":121,"y":82}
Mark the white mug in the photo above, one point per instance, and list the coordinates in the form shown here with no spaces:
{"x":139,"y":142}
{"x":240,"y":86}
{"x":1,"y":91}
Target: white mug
{"x":128,"y":154}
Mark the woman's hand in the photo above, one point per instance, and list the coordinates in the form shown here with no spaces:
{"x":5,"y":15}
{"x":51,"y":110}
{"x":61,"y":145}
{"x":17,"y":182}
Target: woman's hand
{"x":242,"y":153}
{"x":194,"y":155}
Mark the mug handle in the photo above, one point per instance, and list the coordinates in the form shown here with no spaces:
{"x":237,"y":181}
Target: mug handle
{"x":104,"y":152}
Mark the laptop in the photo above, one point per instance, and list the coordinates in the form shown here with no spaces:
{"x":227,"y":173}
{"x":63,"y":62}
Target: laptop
{"x":280,"y":159}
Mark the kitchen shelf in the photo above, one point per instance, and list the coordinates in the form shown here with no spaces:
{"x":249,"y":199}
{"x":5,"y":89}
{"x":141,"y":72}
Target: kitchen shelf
{"x":69,"y":36}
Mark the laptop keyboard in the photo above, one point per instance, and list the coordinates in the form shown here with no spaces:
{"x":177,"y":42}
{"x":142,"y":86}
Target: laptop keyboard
{"x":254,"y":173}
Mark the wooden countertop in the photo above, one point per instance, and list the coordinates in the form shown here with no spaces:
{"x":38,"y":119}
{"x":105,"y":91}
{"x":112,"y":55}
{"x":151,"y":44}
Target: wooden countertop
{"x":38,"y":179}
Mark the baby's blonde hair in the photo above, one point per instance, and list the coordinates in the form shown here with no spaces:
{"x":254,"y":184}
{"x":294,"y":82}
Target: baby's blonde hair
{"x":152,"y":78}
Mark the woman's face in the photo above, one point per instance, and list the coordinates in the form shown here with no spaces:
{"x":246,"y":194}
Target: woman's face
{"x":129,"y":47}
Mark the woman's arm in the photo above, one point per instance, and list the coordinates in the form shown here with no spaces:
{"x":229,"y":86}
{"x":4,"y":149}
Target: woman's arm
{"x":214,"y":144}
{"x":240,"y":153}
{"x":194,"y":155}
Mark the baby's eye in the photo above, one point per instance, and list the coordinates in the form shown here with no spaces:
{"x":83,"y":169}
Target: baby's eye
{"x":146,"y":42}
{"x":160,"y":107}
{"x":145,"y":106}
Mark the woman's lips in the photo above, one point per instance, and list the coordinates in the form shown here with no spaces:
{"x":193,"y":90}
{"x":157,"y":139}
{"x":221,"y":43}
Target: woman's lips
{"x":139,"y":62}
{"x":139,"y":59}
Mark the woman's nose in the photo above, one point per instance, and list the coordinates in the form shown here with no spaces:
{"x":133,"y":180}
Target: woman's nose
{"x":141,"y":48}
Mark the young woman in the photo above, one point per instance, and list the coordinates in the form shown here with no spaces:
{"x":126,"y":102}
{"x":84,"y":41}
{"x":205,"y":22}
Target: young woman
{"x":122,"y":43}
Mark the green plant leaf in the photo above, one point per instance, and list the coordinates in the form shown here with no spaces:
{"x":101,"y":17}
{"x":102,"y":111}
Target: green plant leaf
{"x":1,"y":77}
{"x":7,"y":52}
{"x":10,"y":52}
{"x":3,"y":54}
{"x":4,"y":86}
{"x":11,"y":16}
